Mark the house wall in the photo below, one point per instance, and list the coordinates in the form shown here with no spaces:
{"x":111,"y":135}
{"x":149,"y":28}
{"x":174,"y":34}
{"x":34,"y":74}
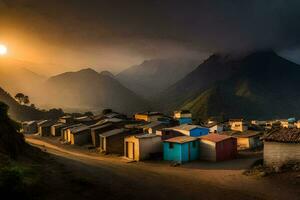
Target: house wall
{"x":277,"y":154}
{"x":194,"y":151}
{"x":243,"y":143}
{"x":147,"y":146}
{"x":226,"y":149}
{"x":207,"y":150}
{"x":216,"y":129}
{"x":185,"y":120}
{"x":115,"y":144}
{"x":45,"y":131}
{"x":197,"y":132}
{"x":239,"y":126}
{"x":173,"y":154}
{"x":95,"y":134}
{"x":132,"y":141}
{"x":81,"y":138}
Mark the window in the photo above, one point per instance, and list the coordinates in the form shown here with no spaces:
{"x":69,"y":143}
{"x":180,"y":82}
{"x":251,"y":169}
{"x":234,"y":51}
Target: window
{"x":194,"y":144}
{"x":171,"y":145}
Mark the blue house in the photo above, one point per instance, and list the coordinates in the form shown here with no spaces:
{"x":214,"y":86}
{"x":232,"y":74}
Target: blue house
{"x":191,"y":130}
{"x":181,"y":149}
{"x":185,"y":120}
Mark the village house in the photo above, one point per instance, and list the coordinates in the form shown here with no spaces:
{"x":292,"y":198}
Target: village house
{"x":148,"y":116}
{"x":29,"y":127}
{"x":167,"y":133}
{"x":56,"y":129}
{"x":79,"y":135}
{"x":258,"y":122}
{"x":96,"y":130}
{"x":297,"y":124}
{"x":285,"y":123}
{"x":247,"y":139}
{"x":142,"y":146}
{"x":191,"y":130}
{"x":281,"y":146}
{"x":215,"y":127}
{"x":66,"y":119}
{"x":181,"y":149}
{"x":113,"y":141}
{"x":44,"y":127}
{"x":183,"y":116}
{"x":216,"y":147}
{"x":64,"y":132}
{"x":152,"y":127}
{"x":238,"y":125}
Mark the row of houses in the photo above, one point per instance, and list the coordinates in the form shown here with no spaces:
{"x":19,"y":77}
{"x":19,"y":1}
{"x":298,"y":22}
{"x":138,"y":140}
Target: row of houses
{"x":153,"y":135}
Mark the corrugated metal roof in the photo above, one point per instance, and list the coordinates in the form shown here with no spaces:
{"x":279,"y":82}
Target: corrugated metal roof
{"x":78,"y":129}
{"x":181,"y":139}
{"x":213,"y":137}
{"x":285,"y":135}
{"x":113,"y":132}
{"x":142,"y":136}
{"x":186,"y":127}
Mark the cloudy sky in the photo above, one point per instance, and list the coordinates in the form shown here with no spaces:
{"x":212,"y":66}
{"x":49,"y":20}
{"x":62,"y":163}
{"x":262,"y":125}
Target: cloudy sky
{"x":60,"y":35}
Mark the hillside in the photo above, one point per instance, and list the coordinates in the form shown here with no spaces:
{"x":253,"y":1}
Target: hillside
{"x":259,"y":85}
{"x":24,"y":113}
{"x":154,"y":76}
{"x":89,"y":90}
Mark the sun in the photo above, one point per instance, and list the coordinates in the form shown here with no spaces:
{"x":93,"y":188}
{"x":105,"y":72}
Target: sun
{"x":3,"y":50}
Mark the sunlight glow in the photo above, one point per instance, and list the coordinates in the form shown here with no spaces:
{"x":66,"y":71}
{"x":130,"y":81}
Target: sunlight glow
{"x":3,"y":50}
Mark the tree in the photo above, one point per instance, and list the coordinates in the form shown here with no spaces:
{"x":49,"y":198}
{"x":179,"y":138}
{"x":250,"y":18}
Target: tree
{"x":22,"y":98}
{"x":19,"y":97}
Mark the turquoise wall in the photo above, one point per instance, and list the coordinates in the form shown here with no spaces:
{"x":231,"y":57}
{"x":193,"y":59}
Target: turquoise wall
{"x":180,"y":152}
{"x":197,"y":132}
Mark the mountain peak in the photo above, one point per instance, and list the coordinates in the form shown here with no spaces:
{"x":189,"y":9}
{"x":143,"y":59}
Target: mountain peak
{"x":107,"y":73}
{"x":87,"y":70}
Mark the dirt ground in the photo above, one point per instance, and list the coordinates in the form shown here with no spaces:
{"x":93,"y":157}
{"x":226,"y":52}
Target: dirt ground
{"x":77,"y":173}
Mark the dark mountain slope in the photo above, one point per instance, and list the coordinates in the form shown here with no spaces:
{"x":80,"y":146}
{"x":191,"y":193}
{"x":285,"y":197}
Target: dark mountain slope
{"x":87,"y":89}
{"x":153,"y":76}
{"x":22,"y":112}
{"x":260,"y":85}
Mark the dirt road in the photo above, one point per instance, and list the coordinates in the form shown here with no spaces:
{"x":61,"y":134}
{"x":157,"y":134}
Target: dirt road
{"x":102,"y":177}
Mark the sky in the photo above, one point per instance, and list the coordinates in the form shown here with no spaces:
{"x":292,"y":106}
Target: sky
{"x":54,"y":36}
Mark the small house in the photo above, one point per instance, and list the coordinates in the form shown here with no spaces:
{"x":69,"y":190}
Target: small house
{"x":66,"y":119}
{"x":44,"y":127}
{"x":167,"y":133}
{"x":297,"y":124}
{"x":238,"y":125}
{"x":64,"y":132}
{"x":281,"y":146}
{"x":148,"y":116}
{"x":56,"y":129}
{"x":142,"y":146}
{"x":285,"y":123}
{"x":152,"y":127}
{"x":113,"y":141}
{"x":183,"y":116}
{"x":181,"y":149}
{"x":246,"y":140}
{"x":216,"y":147}
{"x":215,"y":127}
{"x":96,"y":130}
{"x":79,"y":135}
{"x":191,"y":130}
{"x":29,"y":127}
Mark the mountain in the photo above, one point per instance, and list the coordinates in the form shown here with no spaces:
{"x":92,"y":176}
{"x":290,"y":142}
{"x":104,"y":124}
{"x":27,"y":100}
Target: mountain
{"x":26,"y":113}
{"x":15,"y":78}
{"x":258,"y":85}
{"x":153,"y":76}
{"x":89,"y":90}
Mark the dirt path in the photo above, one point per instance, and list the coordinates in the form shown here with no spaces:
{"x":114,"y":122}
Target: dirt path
{"x":115,"y":178}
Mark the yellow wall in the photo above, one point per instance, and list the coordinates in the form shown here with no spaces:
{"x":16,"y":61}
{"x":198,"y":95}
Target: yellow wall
{"x":243,"y":143}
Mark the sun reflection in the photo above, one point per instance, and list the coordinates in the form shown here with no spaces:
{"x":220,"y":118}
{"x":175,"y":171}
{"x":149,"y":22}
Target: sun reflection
{"x":3,"y":50}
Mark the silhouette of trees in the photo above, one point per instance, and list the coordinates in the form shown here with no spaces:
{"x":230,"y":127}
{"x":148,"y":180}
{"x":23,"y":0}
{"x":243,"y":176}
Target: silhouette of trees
{"x":22,"y":98}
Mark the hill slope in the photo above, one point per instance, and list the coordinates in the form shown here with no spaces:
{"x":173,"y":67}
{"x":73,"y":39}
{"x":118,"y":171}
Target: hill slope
{"x":24,"y":113}
{"x":154,"y":76}
{"x":87,"y":89}
{"x":259,"y":85}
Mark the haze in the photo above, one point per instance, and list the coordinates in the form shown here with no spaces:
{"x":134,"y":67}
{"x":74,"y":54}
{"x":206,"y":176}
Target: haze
{"x":61,"y":35}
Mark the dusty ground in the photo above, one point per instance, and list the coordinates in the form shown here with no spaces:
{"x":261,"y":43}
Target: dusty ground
{"x":80,"y":174}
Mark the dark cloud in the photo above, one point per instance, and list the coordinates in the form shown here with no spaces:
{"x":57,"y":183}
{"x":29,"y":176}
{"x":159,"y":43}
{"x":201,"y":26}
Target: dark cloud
{"x":151,"y":28}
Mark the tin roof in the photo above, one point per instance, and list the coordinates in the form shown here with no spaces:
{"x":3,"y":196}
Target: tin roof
{"x":181,"y":139}
{"x":146,"y":135}
{"x":213,"y":137}
{"x":186,"y":127}
{"x":245,"y":134}
{"x":78,"y":129}
{"x":285,"y":135}
{"x":113,"y":132}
